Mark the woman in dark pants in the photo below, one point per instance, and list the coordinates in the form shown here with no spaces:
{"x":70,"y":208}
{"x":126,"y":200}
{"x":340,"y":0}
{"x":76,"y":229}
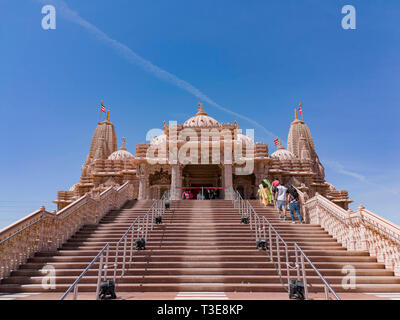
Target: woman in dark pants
{"x":294,"y":203}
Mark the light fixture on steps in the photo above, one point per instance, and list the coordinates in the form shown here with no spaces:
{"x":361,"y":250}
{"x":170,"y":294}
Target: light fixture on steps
{"x":158,"y":219}
{"x":140,"y":244}
{"x":107,"y":290}
{"x":261,"y":244}
{"x":296,"y":290}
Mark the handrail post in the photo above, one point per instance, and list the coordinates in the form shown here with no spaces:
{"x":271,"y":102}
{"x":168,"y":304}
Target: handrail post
{"x":99,"y":277}
{"x":123,"y":264}
{"x":106,"y":264}
{"x":75,"y":292}
{"x":304,"y":277}
{"x":278,"y":252}
{"x":271,"y":253}
{"x":116,"y":262}
{"x":287,"y":266}
{"x":152,"y":215}
{"x":297,"y":263}
{"x":326,"y":292}
{"x":132,"y":235}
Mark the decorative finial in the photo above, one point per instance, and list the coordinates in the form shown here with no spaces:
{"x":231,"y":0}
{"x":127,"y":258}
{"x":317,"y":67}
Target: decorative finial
{"x":200,"y":110}
{"x":123,"y":144}
{"x":295,"y":114}
{"x":165,"y":125}
{"x":108,"y":115}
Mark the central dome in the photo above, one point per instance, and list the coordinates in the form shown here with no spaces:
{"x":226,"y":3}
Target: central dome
{"x":201,"y":119}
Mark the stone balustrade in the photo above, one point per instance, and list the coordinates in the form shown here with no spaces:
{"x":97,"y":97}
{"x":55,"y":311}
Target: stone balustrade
{"x":360,"y":230}
{"x":47,"y":231}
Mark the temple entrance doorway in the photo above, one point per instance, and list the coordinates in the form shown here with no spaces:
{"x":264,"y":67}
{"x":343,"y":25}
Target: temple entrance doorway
{"x":245,"y":185}
{"x":202,"y":175}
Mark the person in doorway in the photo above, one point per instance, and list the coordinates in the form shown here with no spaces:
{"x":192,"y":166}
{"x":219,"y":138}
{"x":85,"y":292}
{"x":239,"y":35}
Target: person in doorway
{"x":280,"y":196}
{"x":294,"y":203}
{"x":212,"y":194}
{"x":207,"y":194}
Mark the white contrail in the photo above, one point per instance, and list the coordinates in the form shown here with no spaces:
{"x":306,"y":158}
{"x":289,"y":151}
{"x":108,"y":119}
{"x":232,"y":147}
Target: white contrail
{"x":134,"y":58}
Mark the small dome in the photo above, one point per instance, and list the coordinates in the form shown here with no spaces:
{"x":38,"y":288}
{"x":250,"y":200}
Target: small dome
{"x":201,"y":119}
{"x":162,"y":138}
{"x":122,"y":153}
{"x":283,"y":154}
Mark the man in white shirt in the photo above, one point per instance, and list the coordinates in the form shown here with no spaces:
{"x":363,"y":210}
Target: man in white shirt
{"x":280,"y":196}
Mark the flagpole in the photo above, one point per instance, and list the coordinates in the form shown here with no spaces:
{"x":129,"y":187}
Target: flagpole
{"x":101,"y":102}
{"x":301,"y":106}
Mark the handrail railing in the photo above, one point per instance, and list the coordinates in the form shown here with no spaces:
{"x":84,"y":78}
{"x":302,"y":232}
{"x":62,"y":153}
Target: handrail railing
{"x":358,"y":230}
{"x":258,"y":227}
{"x":143,"y":226}
{"x":43,"y":230}
{"x":327,"y":288}
{"x":100,"y":255}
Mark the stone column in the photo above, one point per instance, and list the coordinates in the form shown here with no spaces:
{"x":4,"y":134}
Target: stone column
{"x":227,"y":180}
{"x":141,"y":174}
{"x":175,"y":181}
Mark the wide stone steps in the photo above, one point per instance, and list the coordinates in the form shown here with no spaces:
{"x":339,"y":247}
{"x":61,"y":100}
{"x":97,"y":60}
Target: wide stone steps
{"x":200,"y":246}
{"x":202,"y":258}
{"x":241,"y":278}
{"x":209,"y":287}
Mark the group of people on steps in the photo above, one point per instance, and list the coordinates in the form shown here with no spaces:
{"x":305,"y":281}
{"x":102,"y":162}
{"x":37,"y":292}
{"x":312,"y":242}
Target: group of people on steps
{"x":284,"y":197}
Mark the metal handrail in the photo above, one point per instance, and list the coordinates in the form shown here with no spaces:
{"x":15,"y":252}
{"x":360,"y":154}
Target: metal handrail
{"x":157,"y":208}
{"x":144,"y":225}
{"x":74,"y":286}
{"x":125,"y":238}
{"x":257,"y":226}
{"x":327,"y":287}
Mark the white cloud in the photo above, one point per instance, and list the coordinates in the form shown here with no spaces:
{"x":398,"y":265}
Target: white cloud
{"x":134,"y":58}
{"x":339,"y":168}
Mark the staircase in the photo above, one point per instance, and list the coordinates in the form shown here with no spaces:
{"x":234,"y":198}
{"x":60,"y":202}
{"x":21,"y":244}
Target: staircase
{"x":329,"y":256}
{"x":74,"y":256}
{"x":201,"y":246}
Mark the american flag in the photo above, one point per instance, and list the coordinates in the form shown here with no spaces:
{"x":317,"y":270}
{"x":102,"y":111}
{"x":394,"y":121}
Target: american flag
{"x":276,"y":141}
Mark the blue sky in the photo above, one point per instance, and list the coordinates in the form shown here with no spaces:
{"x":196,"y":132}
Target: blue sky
{"x":258,"y":59}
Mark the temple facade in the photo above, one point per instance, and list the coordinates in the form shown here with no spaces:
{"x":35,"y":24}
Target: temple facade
{"x":201,"y":152}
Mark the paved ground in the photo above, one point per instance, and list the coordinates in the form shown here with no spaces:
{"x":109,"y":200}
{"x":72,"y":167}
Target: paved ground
{"x":195,"y":296}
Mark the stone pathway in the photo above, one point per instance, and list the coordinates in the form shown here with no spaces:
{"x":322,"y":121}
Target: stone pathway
{"x":14,"y":296}
{"x":387,"y":295}
{"x":201,"y":296}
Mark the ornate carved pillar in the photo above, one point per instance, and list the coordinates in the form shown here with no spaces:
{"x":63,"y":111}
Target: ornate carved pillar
{"x":227,"y":180}
{"x":176,"y":181}
{"x":141,"y":173}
